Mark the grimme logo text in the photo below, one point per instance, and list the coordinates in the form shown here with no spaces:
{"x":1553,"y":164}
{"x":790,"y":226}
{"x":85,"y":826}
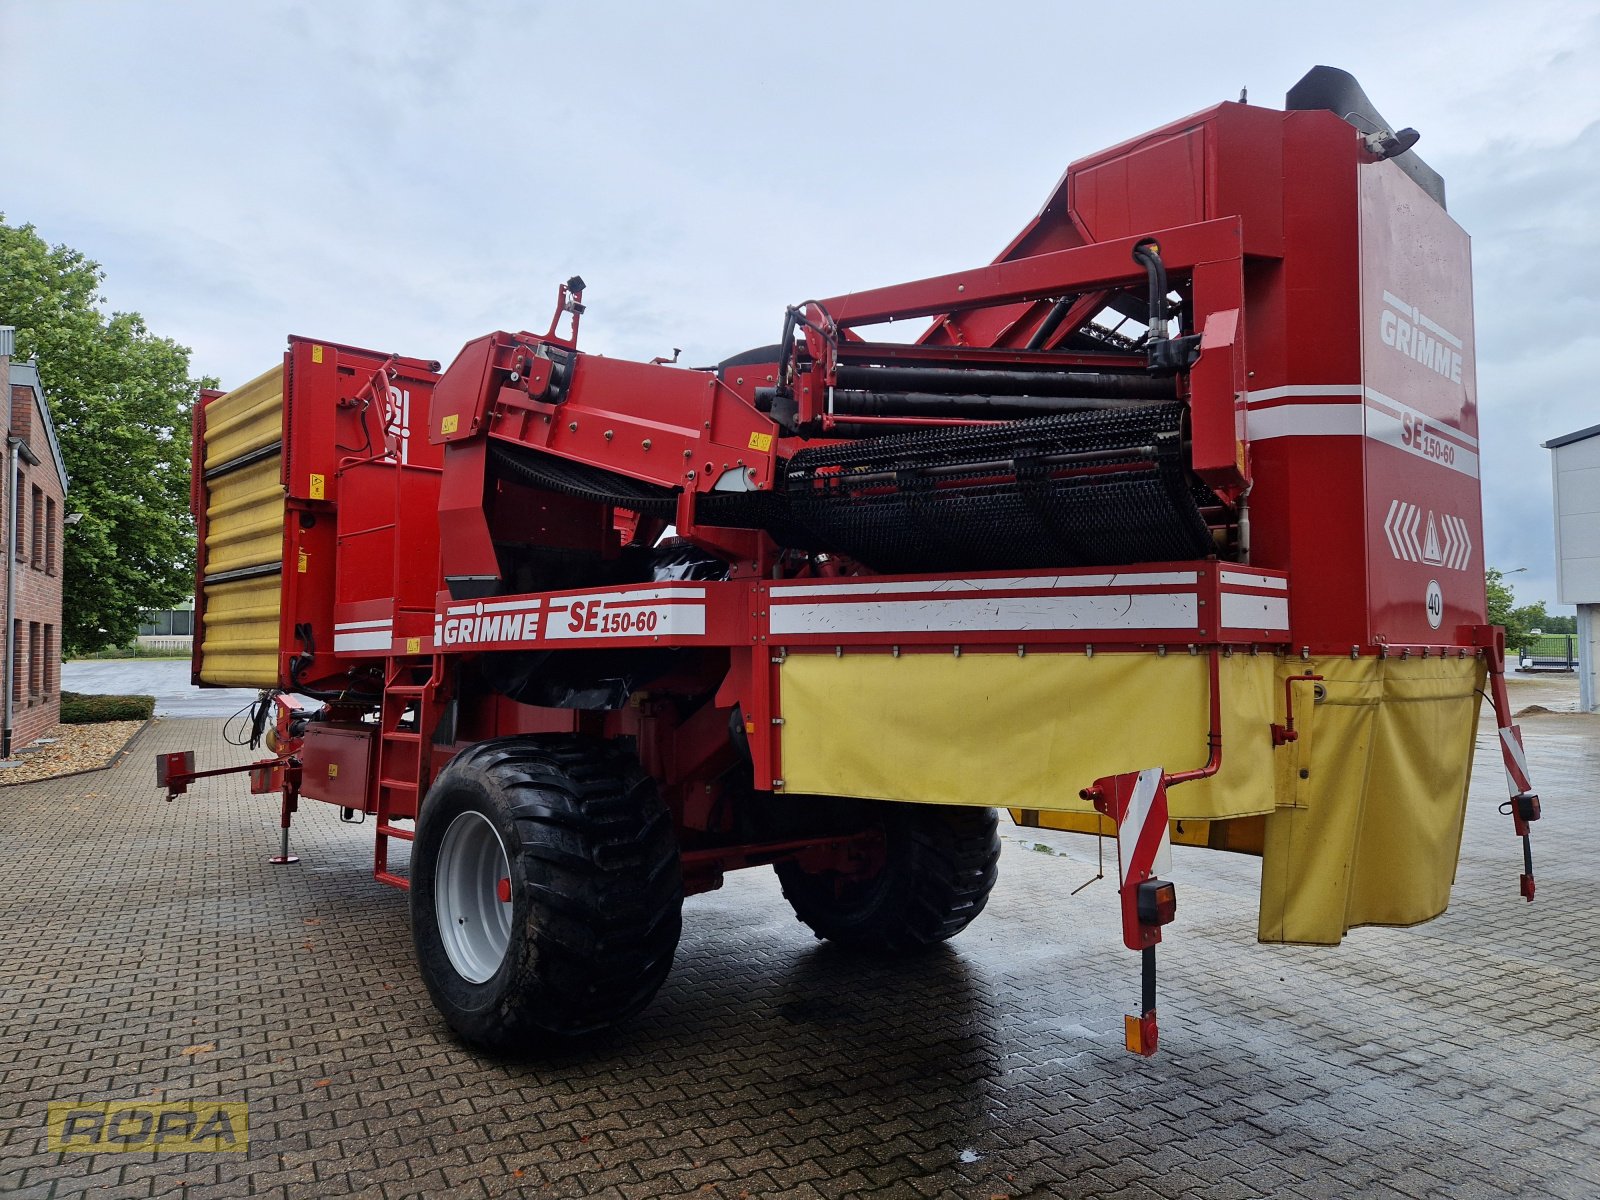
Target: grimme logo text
{"x":179,"y":1127}
{"x":1410,"y":331}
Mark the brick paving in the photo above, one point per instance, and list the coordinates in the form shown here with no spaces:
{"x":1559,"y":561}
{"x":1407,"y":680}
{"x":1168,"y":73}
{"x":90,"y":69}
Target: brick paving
{"x":1459,"y":1059}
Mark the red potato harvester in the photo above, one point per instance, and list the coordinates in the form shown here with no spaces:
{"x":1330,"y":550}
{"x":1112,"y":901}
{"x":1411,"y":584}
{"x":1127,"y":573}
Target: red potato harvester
{"x":1168,"y":527}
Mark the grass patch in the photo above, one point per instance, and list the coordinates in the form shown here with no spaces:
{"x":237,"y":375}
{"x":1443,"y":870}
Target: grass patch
{"x":78,"y":709}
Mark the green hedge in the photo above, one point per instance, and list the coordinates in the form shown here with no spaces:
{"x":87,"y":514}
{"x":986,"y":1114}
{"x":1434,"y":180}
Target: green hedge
{"x":78,"y":709}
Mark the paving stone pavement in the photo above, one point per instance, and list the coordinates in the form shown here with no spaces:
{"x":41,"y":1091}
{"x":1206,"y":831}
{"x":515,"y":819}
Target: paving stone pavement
{"x":1458,"y":1059}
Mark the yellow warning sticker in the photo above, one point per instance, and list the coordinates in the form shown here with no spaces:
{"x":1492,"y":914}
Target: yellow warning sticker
{"x":318,"y":486}
{"x":333,"y":770}
{"x":413,"y":645}
{"x":302,"y":567}
{"x":316,"y":354}
{"x":450,"y":424}
{"x":761,"y":441}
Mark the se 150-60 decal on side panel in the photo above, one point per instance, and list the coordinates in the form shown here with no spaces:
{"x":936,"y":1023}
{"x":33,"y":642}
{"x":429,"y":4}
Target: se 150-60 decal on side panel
{"x":646,"y":612}
{"x":651,"y":612}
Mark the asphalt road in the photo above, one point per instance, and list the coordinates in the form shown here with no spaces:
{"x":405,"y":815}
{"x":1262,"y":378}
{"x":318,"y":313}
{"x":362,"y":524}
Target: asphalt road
{"x":165,"y":679}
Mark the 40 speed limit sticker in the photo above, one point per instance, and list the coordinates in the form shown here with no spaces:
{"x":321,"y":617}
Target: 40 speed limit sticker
{"x":1435,"y":603}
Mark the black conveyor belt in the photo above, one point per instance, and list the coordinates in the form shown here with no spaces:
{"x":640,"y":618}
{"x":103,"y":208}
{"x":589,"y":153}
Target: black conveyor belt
{"x":1078,"y":489}
{"x":1094,"y":488}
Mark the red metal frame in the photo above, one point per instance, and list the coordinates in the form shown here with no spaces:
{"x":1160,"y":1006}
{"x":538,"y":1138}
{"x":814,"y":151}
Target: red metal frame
{"x":1309,"y":415}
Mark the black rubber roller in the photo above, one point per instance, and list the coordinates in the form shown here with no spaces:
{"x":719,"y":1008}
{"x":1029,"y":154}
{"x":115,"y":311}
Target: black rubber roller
{"x":1095,"y":488}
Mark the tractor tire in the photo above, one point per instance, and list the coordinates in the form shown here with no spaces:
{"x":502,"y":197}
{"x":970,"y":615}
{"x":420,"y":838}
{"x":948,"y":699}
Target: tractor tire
{"x":940,"y":864}
{"x":546,"y":890}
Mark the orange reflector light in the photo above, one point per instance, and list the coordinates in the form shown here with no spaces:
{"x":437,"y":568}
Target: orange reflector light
{"x":1140,"y":1034}
{"x":1157,"y":902}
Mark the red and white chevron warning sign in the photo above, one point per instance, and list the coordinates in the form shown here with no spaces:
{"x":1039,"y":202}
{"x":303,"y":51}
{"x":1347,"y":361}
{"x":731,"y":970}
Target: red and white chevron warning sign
{"x":1517,"y":778}
{"x":1137,"y":802}
{"x":1144,"y":845}
{"x":1416,"y":535}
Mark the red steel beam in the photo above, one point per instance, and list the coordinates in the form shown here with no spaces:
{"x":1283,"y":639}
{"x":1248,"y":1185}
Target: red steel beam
{"x":1038,"y":277}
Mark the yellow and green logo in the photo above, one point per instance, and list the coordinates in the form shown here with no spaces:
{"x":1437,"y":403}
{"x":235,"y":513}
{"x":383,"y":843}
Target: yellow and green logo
{"x":177,"y":1127}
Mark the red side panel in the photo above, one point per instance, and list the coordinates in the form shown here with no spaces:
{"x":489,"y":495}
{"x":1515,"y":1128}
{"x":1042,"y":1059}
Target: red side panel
{"x":1157,"y":186}
{"x":1424,"y":521}
{"x":362,"y":506}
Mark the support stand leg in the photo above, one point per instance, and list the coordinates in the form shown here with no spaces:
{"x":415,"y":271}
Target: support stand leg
{"x":1140,"y":1033}
{"x":291,"y":799}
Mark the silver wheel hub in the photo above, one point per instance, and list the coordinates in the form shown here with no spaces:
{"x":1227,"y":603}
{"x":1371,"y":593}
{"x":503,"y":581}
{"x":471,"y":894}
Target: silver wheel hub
{"x":472,"y":897}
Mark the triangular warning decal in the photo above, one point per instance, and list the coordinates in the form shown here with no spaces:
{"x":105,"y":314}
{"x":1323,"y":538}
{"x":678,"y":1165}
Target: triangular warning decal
{"x":1430,"y":545}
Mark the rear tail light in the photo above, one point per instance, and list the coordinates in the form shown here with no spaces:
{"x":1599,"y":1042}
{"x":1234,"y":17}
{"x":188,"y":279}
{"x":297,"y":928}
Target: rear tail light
{"x":1157,"y":902}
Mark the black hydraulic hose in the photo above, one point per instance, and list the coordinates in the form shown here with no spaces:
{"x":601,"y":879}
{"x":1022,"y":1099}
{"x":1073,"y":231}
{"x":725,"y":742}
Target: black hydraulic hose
{"x":1052,"y":322}
{"x":785,"y":350}
{"x":1163,"y":355}
{"x":993,"y":382}
{"x":1147,"y":253}
{"x":848,"y":402}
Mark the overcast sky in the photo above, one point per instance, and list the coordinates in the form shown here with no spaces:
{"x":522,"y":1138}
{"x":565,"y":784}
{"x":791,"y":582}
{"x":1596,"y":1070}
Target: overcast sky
{"x":407,"y":176}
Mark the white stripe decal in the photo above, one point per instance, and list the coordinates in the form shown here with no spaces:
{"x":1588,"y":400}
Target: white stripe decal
{"x":362,"y":641}
{"x":1304,"y":420}
{"x":636,"y":596}
{"x":1304,"y":390}
{"x":1251,"y":579}
{"x":386,"y":623}
{"x":1133,"y":823}
{"x":1243,"y":611}
{"x":782,"y":592}
{"x":1515,"y":757}
{"x":1264,"y":397}
{"x":1391,"y":431}
{"x":1170,"y":610}
{"x":1415,"y":313}
{"x":512,"y":606}
{"x":1381,"y":418}
{"x":1416,"y":415}
{"x":489,"y":606}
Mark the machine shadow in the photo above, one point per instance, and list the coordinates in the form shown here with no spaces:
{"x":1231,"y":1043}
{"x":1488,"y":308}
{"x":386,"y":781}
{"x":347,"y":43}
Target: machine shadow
{"x":829,"y":1026}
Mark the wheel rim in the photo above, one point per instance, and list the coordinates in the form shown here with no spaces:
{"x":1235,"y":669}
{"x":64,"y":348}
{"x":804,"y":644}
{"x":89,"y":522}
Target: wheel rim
{"x":473,"y":875}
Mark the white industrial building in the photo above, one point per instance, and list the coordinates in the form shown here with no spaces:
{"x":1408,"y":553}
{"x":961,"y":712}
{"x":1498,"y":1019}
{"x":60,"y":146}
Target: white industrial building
{"x":1575,"y":466}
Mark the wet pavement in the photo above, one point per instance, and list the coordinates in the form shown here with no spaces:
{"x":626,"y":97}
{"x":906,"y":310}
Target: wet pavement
{"x":165,"y":679}
{"x":151,"y":952}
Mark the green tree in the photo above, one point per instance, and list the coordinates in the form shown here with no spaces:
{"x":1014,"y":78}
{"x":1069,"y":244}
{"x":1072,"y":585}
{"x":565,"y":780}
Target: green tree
{"x":1519,"y":620}
{"x":121,"y":398}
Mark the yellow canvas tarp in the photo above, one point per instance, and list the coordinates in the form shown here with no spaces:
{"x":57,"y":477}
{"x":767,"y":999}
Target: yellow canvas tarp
{"x":1372,"y":833}
{"x":244,"y":509}
{"x":1358,"y":822}
{"x":1023,"y":732}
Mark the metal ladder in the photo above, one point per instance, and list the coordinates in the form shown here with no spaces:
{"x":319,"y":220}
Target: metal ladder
{"x":404,"y":756}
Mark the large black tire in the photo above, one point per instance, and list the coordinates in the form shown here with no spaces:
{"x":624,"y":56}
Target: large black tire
{"x":939,"y":865}
{"x":595,"y":882}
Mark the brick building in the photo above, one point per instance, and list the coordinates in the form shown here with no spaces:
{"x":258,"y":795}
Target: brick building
{"x":33,"y":507}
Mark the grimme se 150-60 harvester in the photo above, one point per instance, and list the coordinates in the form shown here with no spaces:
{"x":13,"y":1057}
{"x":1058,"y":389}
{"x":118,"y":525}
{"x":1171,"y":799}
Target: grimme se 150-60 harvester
{"x":1167,"y":528}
